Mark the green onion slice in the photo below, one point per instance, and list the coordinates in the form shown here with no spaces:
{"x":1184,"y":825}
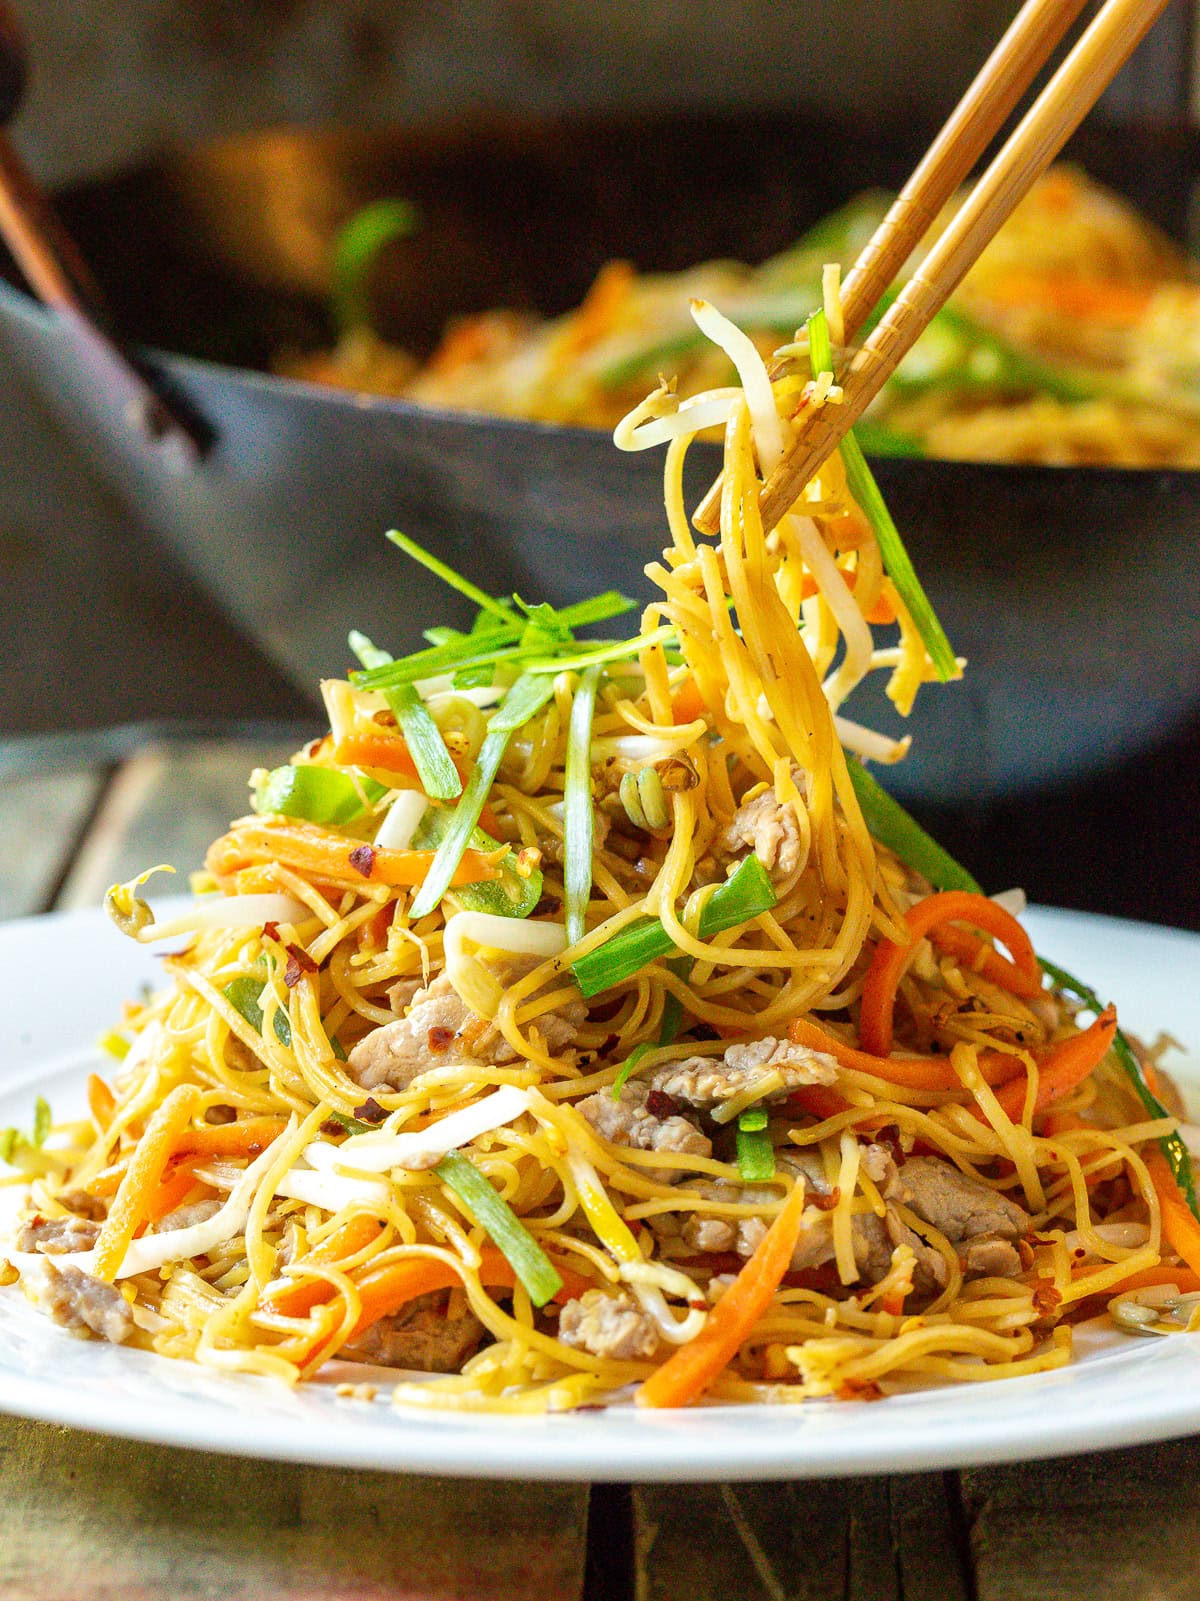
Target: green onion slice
{"x":355,"y":252}
{"x":437,"y":772}
{"x":453,"y":580}
{"x":746,"y":894}
{"x":1173,"y":1147}
{"x":485,"y":1206}
{"x":629,"y":1067}
{"x":578,"y":818}
{"x":522,"y":702}
{"x":513,"y":894}
{"x":862,"y":485}
{"x":755,"y":1153}
{"x":892,"y":826}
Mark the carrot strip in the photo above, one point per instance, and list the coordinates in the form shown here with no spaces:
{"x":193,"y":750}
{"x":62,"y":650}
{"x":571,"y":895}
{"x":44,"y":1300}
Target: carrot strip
{"x":142,"y":1176}
{"x":1067,"y":1065}
{"x":910,"y":1072}
{"x":102,"y":1103}
{"x":958,"y":942}
{"x":687,"y":703}
{"x":174,"y":1187}
{"x":691,"y":1368}
{"x":301,"y":1295}
{"x":248,"y":1137}
{"x":1074,"y":295}
{"x":890,"y":960}
{"x":1180,"y":1227}
{"x":316,"y":850}
{"x":882,"y":612}
{"x":818,"y":1100}
{"x":1149,"y":1278}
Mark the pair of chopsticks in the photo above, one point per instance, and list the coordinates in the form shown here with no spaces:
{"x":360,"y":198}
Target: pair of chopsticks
{"x":1092,"y":64}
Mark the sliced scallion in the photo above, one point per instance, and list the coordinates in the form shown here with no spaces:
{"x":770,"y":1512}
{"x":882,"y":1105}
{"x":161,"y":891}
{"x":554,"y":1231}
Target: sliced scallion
{"x":513,"y":894}
{"x":892,"y":826}
{"x":629,"y":1067}
{"x":485,"y":1206}
{"x":436,"y":770}
{"x":746,"y":894}
{"x":755,"y":1153}
{"x":522,"y":702}
{"x":578,"y":818}
{"x":355,"y":252}
{"x":450,"y":578}
{"x":861,"y":482}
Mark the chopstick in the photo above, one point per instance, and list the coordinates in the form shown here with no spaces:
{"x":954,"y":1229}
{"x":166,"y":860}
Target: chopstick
{"x":1094,"y":61}
{"x":970,"y":128}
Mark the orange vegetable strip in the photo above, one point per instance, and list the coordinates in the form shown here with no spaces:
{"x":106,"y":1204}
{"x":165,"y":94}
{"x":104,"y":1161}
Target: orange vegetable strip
{"x":1149,"y":1278}
{"x":1179,"y":1226}
{"x":247,"y":1137}
{"x":883,"y":611}
{"x":102,"y":1103}
{"x":1074,"y":295}
{"x":300,"y":1296}
{"x":312,"y":849}
{"x":958,"y":942}
{"x":691,"y":1368}
{"x":687,"y":703}
{"x":890,"y":960}
{"x":175,"y":1186}
{"x":1066,"y":1065}
{"x":388,"y":753}
{"x":146,"y":1167}
{"x":910,"y":1072}
{"x":818,"y":1100}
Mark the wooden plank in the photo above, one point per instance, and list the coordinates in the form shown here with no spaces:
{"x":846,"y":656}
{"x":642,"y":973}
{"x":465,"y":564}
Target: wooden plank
{"x":43,"y":815}
{"x":166,"y":804}
{"x":85,"y":1518}
{"x":874,"y":1539}
{"x":1124,"y":1525}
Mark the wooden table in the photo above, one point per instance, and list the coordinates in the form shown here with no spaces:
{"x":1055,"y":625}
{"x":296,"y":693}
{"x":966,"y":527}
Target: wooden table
{"x":86,"y":1518}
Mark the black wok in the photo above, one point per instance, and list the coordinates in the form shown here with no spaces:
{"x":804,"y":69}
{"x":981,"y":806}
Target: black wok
{"x":1071,"y":592}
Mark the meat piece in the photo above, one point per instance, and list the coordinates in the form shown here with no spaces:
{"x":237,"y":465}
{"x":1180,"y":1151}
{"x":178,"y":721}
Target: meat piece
{"x":184,"y":1216}
{"x":880,"y":1167}
{"x":875,"y":1238}
{"x":959,"y":1206}
{"x":768,"y":829}
{"x":84,"y":1204}
{"x":990,"y":1256}
{"x":77,"y":1301}
{"x":705,"y":1233}
{"x":57,"y":1235}
{"x":551,"y":845}
{"x":628,"y":1121}
{"x":424,"y":1335}
{"x":608,"y":1325}
{"x":709,"y":1080}
{"x":440,"y":1028}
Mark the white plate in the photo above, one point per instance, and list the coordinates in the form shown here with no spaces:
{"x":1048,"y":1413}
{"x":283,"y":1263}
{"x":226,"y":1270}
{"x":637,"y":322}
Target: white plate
{"x":64,"y":980}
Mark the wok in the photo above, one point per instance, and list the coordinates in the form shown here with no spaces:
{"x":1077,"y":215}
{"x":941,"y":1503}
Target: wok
{"x":1071,"y":592}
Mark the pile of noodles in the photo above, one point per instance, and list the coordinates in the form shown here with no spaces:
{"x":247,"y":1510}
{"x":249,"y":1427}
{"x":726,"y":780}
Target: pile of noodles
{"x":1076,"y":280}
{"x":771,"y":634}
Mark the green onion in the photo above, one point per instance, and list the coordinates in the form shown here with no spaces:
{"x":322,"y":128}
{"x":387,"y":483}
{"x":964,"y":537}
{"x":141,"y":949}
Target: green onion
{"x":523,"y":701}
{"x":485,"y":1206}
{"x":453,"y":580}
{"x":748,"y":893}
{"x":892,"y":826}
{"x":877,"y":439}
{"x":42,"y":1119}
{"x":597,"y":608}
{"x":435,"y":769}
{"x":245,"y":996}
{"x":316,"y":794}
{"x":629,"y":1067}
{"x":353,"y":1125}
{"x":618,"y":650}
{"x":672,"y":1012}
{"x":578,"y":819}
{"x":862,"y":485}
{"x":755,"y":1153}
{"x":1172,"y":1145}
{"x":12,"y":1140}
{"x":355,"y":251}
{"x":513,"y":894}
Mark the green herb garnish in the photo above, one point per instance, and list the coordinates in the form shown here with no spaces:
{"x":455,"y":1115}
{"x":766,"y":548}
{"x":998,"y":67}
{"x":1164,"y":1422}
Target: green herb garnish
{"x":485,"y":1206}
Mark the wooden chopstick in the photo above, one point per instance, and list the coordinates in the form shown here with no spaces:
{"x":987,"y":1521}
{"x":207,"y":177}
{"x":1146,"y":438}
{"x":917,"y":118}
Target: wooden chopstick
{"x":1092,"y":64}
{"x":969,"y":130}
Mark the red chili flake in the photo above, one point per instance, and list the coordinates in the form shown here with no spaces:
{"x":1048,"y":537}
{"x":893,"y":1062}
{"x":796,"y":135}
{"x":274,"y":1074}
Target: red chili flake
{"x":1026,"y":1253}
{"x":270,"y":931}
{"x":332,"y":1126}
{"x":362,"y":859}
{"x":661,"y":1105}
{"x":370,"y":1111}
{"x":1046,"y":1299}
{"x":699,"y":1305}
{"x":440,"y":1039}
{"x":299,"y":963}
{"x":825,"y":1203}
{"x":385,"y":719}
{"x":889,"y":1137}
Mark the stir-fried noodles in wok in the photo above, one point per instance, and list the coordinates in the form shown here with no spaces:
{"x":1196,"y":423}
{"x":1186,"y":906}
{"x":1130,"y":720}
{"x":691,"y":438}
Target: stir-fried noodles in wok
{"x":578,"y":1018}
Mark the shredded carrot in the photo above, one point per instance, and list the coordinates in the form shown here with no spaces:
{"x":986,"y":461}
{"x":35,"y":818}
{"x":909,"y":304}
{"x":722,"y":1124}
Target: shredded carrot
{"x":301,"y":1295}
{"x":1187,"y":1282}
{"x":818,"y":1100}
{"x":248,"y":1137}
{"x":882,"y":612}
{"x":1074,"y":295}
{"x":176,"y":1184}
{"x":912,"y":1072}
{"x":687,"y":703}
{"x":1067,"y":1064}
{"x":983,"y":958}
{"x":102,"y":1103}
{"x":146,"y":1167}
{"x":316,"y":850}
{"x":890,"y":961}
{"x":372,"y":935}
{"x":1181,"y":1229}
{"x":691,"y":1368}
